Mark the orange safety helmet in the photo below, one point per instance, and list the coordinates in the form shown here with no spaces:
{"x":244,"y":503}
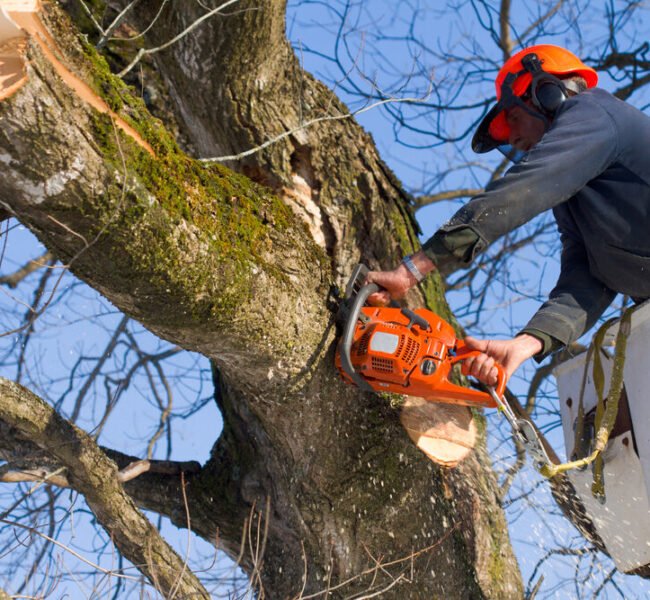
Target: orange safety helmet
{"x":542,"y":64}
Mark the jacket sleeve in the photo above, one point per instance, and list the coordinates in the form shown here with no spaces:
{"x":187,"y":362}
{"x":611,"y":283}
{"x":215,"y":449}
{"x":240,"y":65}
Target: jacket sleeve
{"x":580,"y":144}
{"x":576,"y":302}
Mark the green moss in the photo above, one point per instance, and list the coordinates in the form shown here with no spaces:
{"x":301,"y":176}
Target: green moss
{"x":395,"y":401}
{"x":234,"y":218}
{"x":497,"y":565}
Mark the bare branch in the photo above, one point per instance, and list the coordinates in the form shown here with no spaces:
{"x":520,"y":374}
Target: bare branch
{"x":16,"y":277}
{"x":505,"y":41}
{"x":94,"y":475}
{"x":146,"y":51}
{"x":115,"y":24}
{"x":91,"y":16}
{"x":536,"y":25}
{"x":447,"y":195}
{"x":306,"y":125}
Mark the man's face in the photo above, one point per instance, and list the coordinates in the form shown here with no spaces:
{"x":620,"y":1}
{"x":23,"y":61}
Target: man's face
{"x":525,"y":129}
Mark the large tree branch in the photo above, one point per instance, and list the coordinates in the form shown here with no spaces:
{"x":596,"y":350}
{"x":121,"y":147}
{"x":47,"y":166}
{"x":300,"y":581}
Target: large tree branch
{"x":94,"y":475}
{"x":206,"y":259}
{"x":190,"y":249}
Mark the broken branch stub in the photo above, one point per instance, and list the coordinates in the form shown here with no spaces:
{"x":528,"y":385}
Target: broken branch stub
{"x":19,"y":21}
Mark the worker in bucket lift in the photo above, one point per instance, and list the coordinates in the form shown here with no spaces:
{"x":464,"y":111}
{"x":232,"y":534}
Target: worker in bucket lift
{"x":586,"y":156}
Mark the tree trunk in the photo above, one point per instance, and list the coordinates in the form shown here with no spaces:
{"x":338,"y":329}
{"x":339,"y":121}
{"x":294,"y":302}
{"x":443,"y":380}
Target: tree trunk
{"x":220,"y":265}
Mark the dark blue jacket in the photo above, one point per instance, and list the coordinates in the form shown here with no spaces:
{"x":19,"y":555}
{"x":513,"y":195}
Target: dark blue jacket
{"x":592,"y":168}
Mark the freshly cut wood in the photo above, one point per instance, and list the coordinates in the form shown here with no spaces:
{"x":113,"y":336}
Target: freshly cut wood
{"x":19,"y":21}
{"x":20,"y":5}
{"x":12,"y":47}
{"x":446,"y":433}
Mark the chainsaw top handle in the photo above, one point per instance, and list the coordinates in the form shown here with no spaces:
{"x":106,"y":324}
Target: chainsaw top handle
{"x":463,"y":353}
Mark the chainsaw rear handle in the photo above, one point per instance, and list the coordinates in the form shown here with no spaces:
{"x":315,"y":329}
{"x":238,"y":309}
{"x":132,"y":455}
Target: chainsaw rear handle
{"x":463,"y":353}
{"x":348,"y":335}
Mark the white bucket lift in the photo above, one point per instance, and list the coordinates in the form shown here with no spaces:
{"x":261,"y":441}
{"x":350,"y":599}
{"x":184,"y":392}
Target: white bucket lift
{"x":623,"y":520}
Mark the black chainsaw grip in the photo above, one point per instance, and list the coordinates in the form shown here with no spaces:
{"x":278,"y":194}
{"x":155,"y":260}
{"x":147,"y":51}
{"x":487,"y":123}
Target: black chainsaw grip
{"x":416,"y":319}
{"x":348,"y":335}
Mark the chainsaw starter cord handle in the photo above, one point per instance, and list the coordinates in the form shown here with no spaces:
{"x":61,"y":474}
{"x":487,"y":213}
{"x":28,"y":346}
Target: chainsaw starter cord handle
{"x":348,"y":335}
{"x":416,"y":319}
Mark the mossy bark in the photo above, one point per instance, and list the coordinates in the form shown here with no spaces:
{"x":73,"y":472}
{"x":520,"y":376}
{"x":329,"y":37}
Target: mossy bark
{"x":216,"y":263}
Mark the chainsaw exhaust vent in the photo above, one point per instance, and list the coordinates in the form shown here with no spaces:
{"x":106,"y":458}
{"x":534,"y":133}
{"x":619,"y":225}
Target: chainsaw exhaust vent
{"x":385,"y":365}
{"x":362,"y":348}
{"x":411,"y":352}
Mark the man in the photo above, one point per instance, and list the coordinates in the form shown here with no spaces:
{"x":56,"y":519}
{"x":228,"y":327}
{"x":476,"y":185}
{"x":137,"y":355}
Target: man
{"x":586,"y":157}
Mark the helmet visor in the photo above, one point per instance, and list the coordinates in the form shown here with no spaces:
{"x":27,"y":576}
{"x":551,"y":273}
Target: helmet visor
{"x":492,"y":131}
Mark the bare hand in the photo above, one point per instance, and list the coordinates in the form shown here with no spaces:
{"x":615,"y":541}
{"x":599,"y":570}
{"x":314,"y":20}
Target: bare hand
{"x":395,"y":284}
{"x":508,"y":353}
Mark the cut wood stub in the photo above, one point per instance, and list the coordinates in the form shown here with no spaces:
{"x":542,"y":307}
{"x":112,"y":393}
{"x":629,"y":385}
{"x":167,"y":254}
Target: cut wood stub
{"x":19,"y":20}
{"x":446,"y":433}
{"x":12,"y":49}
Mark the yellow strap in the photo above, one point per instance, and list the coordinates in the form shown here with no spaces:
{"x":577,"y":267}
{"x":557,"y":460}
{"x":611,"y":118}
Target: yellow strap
{"x":605,"y":416}
{"x":605,"y":423}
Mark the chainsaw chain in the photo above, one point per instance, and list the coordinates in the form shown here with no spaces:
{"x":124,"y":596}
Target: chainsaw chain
{"x":525,"y":434}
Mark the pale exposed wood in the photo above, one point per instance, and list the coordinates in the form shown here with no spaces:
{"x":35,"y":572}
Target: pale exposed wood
{"x":21,"y":5}
{"x":445,"y":433}
{"x":30,"y":23}
{"x":12,"y":63}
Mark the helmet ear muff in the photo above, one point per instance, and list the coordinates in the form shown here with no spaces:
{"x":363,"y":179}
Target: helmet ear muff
{"x":547,"y":93}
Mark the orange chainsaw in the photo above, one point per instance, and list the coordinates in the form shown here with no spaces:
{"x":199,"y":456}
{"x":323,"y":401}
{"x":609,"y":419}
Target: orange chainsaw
{"x":391,"y":349}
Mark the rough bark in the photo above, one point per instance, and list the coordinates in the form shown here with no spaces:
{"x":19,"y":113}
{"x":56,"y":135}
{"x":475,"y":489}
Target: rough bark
{"x":207,"y":259}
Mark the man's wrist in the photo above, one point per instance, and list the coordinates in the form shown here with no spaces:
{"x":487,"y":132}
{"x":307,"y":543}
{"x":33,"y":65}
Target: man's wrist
{"x":407,"y":275}
{"x":530,"y":344}
{"x":412,"y":268}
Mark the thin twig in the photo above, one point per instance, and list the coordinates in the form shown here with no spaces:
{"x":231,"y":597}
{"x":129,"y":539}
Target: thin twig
{"x":307,"y":124}
{"x":115,"y":24}
{"x":146,"y":51}
{"x":68,"y":549}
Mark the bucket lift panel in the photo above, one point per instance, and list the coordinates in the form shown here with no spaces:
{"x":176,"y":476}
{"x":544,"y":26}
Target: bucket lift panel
{"x":623,"y":521}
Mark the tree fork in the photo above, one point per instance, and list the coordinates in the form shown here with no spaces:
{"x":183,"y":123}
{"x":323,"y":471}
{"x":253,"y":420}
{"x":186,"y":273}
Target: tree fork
{"x":205,"y":258}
